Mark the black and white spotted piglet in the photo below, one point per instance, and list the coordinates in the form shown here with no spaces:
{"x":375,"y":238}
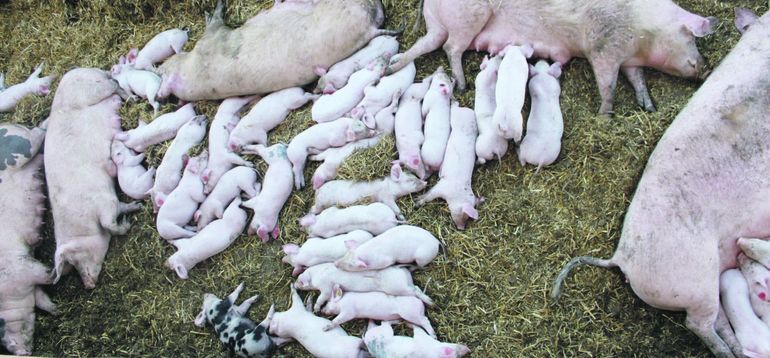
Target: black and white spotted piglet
{"x":242,"y":337}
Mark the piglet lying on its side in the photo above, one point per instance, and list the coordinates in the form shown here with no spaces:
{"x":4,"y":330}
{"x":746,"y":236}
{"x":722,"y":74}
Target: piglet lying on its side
{"x":332,"y":106}
{"x":408,"y":127}
{"x":235,"y":181}
{"x":276,"y":188}
{"x":181,"y":204}
{"x":213,"y":239}
{"x":160,"y":129}
{"x":379,"y":96}
{"x":383,"y":344}
{"x":752,"y":333}
{"x":141,"y":83}
{"x":221,"y":159}
{"x":545,"y":124}
{"x":159,"y":48}
{"x":403,"y":244}
{"x":318,"y":250}
{"x":170,"y":169}
{"x":375,"y":218}
{"x":134,"y":180}
{"x":338,"y":74}
{"x":10,"y":97}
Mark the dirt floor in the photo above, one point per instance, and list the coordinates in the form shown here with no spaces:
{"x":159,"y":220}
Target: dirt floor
{"x":491,"y":282}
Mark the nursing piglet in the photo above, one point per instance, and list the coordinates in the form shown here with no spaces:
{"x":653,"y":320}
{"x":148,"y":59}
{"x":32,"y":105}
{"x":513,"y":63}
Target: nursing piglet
{"x":408,"y":127}
{"x":379,"y":96}
{"x":545,"y":125}
{"x":276,"y":189}
{"x":267,"y":114}
{"x":454,"y":185}
{"x":337,"y":75}
{"x":319,"y":250}
{"x":230,"y":186}
{"x":159,"y":48}
{"x":757,"y":249}
{"x":332,"y":106}
{"x":309,"y":330}
{"x":376,"y":305}
{"x":435,"y":109}
{"x":11,"y":96}
{"x":170,"y":169}
{"x":383,"y":344}
{"x":134,"y":180}
{"x":752,"y":333}
{"x":490,"y":143}
{"x":758,"y":278}
{"x":159,"y":130}
{"x":510,"y":90}
{"x":181,"y":204}
{"x":375,"y":218}
{"x":144,"y":84}
{"x":211,"y":240}
{"x":385,"y":190}
{"x":402,"y":244}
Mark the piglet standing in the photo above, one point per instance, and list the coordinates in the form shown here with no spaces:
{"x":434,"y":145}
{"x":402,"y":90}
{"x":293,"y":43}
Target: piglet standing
{"x":375,"y":218}
{"x":211,"y":240}
{"x":490,"y":142}
{"x":545,"y":124}
{"x":456,"y":174}
{"x":276,"y":188}
{"x":510,"y":91}
{"x":408,"y":127}
{"x":141,"y":83}
{"x":332,"y":106}
{"x":758,"y":278}
{"x":181,"y":204}
{"x":159,"y":48}
{"x":10,"y":97}
{"x":235,"y":181}
{"x":300,"y":324}
{"x":319,"y":250}
{"x":382,"y":343}
{"x":159,"y":130}
{"x":267,"y":114}
{"x":221,"y":159}
{"x":404,"y":244}
{"x":757,"y":249}
{"x":435,"y":109}
{"x":752,"y":333}
{"x":170,"y":169}
{"x":338,"y":74}
{"x":134,"y":180}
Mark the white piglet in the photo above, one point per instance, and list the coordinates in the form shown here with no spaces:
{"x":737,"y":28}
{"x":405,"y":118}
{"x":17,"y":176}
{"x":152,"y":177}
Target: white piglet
{"x":332,"y":106}
{"x":752,"y":333}
{"x":161,"y":129}
{"x":134,"y":180}
{"x":170,"y":169}
{"x":757,"y":249}
{"x":377,"y":97}
{"x":144,"y":84}
{"x":318,"y":250}
{"x":408,"y":127}
{"x":159,"y":48}
{"x":229,"y":187}
{"x":276,"y":188}
{"x":758,"y":278}
{"x":337,"y":75}
{"x":181,"y":204}
{"x":375,"y":218}
{"x":10,"y":97}
{"x":382,"y":343}
{"x":490,"y":143}
{"x":404,"y":244}
{"x":545,"y":124}
{"x":220,"y":158}
{"x":435,"y":109}
{"x":510,"y":91}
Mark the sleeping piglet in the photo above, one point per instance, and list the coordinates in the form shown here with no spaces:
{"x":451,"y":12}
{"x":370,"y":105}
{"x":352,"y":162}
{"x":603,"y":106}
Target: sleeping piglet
{"x":220,"y":158}
{"x":435,"y":109}
{"x":332,"y":106}
{"x":757,"y":249}
{"x":490,"y":142}
{"x":383,"y":344}
{"x":319,"y":250}
{"x":10,"y":97}
{"x":402,"y":244}
{"x":758,"y":278}
{"x":338,"y":74}
{"x":377,"y":97}
{"x":160,"y":129}
{"x":276,"y":188}
{"x":181,"y":204}
{"x":230,"y":186}
{"x":408,"y":127}
{"x":752,"y":333}
{"x":375,"y":218}
{"x":545,"y":124}
{"x":134,"y":180}
{"x":510,"y":91}
{"x":159,"y":48}
{"x":144,"y":84}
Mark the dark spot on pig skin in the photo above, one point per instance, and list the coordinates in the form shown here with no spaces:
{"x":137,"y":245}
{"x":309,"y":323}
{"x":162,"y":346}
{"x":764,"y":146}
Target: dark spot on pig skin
{"x":220,"y":311}
{"x":10,"y":147}
{"x":2,"y":328}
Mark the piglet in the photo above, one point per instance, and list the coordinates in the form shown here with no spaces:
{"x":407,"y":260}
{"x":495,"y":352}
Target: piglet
{"x":396,"y":281}
{"x":211,"y":240}
{"x":403,"y":244}
{"x":408,"y":127}
{"x":235,"y":181}
{"x":435,"y":109}
{"x":169,"y":171}
{"x":159,"y":130}
{"x":332,"y":106}
{"x":159,"y":48}
{"x":322,"y":136}
{"x":378,"y":97}
{"x":318,"y":250}
{"x":383,"y":344}
{"x":276,"y":188}
{"x":267,"y":114}
{"x":545,"y":124}
{"x":375,"y":218}
{"x":309,"y":330}
{"x":490,"y":142}
{"x":376,"y":305}
{"x":752,"y":333}
{"x":454,"y":184}
{"x":134,"y":180}
{"x":181,"y":204}
{"x":242,"y":337}
{"x":385,"y":190}
{"x":744,"y":18}
{"x":10,"y":97}
{"x":144,"y":84}
{"x":758,"y":279}
{"x":221,"y":159}
{"x":510,"y":90}
{"x":338,"y":74}
{"x":757,"y":249}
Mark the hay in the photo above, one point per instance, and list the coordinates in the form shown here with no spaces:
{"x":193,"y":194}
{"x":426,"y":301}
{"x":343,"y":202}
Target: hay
{"x":491,"y":282}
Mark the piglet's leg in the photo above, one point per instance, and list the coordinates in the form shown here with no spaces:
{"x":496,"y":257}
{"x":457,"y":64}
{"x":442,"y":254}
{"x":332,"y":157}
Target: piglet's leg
{"x":726,"y":332}
{"x":125,"y":208}
{"x":245,"y":305}
{"x":270,"y":313}
{"x":635,"y":75}
{"x":340,"y":319}
{"x":43,"y":302}
{"x":109,"y":222}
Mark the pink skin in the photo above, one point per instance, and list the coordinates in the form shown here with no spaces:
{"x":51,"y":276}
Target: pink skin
{"x":375,"y":218}
{"x":560,"y":30}
{"x":332,"y":106}
{"x":545,"y":124}
{"x":161,"y":129}
{"x":337,"y":76}
{"x":408,"y":127}
{"x":402,"y":244}
{"x":396,"y":281}
{"x":80,"y":130}
{"x":510,"y":90}
{"x":385,"y":190}
{"x":159,"y":48}
{"x":435,"y":109}
{"x":376,"y":305}
{"x":318,"y":250}
{"x":11,"y":96}
{"x":454,"y":185}
{"x":758,"y":278}
{"x":744,"y":18}
{"x":144,"y":84}
{"x":752,"y":333}
{"x":322,"y":136}
{"x":381,"y":342}
{"x":230,"y":186}
{"x":221,"y":158}
{"x":302,"y":325}
{"x":757,"y":249}
{"x":380,"y":96}
{"x":180,"y":206}
{"x":675,"y":264}
{"x":211,"y":240}
{"x":276,"y":189}
{"x":175,"y":158}
{"x":267,"y":114}
{"x":134,"y":180}
{"x":490,"y":143}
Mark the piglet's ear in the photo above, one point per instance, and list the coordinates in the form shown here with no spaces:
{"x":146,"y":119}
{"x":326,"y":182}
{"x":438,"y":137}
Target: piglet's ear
{"x":185,"y":159}
{"x":337,"y":291}
{"x":395,"y":171}
{"x":700,"y":26}
{"x":350,"y":134}
{"x":131,"y":56}
{"x":469,"y":210}
{"x":532,"y":71}
{"x":484,"y":62}
{"x":447,"y":352}
{"x":555,"y":70}
{"x":122,"y":60}
{"x":361,"y":265}
{"x":290,"y":249}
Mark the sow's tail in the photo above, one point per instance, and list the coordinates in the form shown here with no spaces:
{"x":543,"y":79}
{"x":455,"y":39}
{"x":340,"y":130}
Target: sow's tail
{"x":581,"y":260}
